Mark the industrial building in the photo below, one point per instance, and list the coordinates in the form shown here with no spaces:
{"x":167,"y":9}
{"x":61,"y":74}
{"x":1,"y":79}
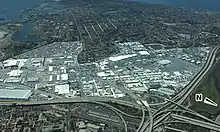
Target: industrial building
{"x":15,"y":94}
{"x":164,"y":62}
{"x":10,"y":63}
{"x":15,"y":73}
{"x":62,"y":89}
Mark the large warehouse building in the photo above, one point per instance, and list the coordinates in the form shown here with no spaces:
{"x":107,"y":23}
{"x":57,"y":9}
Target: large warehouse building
{"x":15,"y":94}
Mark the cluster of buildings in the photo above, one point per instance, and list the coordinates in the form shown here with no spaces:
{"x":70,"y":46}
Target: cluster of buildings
{"x":37,"y":73}
{"x":54,"y":118}
{"x":150,"y":70}
{"x":154,"y":81}
{"x":89,"y":127}
{"x":30,"y":119}
{"x":137,"y":68}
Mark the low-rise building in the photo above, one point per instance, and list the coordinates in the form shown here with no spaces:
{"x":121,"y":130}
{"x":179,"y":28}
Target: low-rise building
{"x":166,"y":91}
{"x":15,"y":73}
{"x":62,"y":89}
{"x":15,"y":94}
{"x":12,"y":80}
{"x":10,"y":63}
{"x":64,"y":77}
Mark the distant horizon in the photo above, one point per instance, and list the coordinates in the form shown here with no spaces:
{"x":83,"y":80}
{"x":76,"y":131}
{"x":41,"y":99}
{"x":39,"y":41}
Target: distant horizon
{"x":212,"y":5}
{"x":12,"y":11}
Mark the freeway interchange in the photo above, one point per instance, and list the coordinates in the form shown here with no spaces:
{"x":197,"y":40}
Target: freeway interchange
{"x":185,"y":93}
{"x":171,"y":112}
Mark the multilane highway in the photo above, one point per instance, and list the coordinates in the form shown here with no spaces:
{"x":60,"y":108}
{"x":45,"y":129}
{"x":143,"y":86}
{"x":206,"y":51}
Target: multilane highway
{"x":184,"y":94}
{"x":154,"y":119}
{"x":194,"y":83}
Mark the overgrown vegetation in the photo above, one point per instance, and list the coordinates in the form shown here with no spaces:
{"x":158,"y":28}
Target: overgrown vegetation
{"x":209,"y":87}
{"x":215,"y":30}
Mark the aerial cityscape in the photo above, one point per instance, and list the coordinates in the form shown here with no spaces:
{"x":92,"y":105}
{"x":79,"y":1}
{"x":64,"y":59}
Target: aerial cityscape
{"x":110,"y":66}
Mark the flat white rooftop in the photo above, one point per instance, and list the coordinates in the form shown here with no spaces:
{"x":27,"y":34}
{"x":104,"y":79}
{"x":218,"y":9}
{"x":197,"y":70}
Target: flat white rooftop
{"x":164,"y":62}
{"x":144,"y":53}
{"x":121,"y":57}
{"x":15,"y":94}
{"x":15,"y":73}
{"x":10,"y":62}
{"x":62,"y":89}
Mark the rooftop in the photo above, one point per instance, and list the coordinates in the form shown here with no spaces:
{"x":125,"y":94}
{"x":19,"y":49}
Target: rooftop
{"x":10,"y":62}
{"x":62,"y":89}
{"x":15,"y":94}
{"x":14,"y":73}
{"x":164,"y":62}
{"x":121,"y":57}
{"x":144,"y":53}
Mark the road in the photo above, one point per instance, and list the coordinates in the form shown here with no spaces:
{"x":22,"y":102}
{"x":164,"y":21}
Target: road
{"x":189,"y":88}
{"x":74,"y":100}
{"x":141,"y":102}
{"x":194,"y":83}
{"x":19,"y":86}
{"x":156,"y":118}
